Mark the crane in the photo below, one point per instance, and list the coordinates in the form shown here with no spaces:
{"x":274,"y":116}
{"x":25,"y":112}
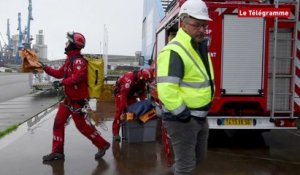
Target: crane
{"x":27,"y":43}
{"x":2,"y":51}
{"x":9,"y":39}
{"x":9,"y":49}
{"x":1,"y":55}
{"x":20,"y":38}
{"x":24,"y":36}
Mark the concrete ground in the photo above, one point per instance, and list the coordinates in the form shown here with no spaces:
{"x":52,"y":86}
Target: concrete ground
{"x":271,"y":153}
{"x":18,"y":110}
{"x":21,"y":152}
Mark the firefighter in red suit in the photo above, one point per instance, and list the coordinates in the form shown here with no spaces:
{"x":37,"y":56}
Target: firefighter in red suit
{"x":129,"y":88}
{"x":74,"y":81}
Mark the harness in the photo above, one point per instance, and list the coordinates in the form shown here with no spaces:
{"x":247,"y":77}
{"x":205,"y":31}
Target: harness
{"x":68,"y":103}
{"x":71,"y":64}
{"x":84,"y":105}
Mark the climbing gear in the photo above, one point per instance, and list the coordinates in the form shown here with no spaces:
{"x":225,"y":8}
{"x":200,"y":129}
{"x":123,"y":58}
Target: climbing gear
{"x":87,"y":111}
{"x":95,"y":75}
{"x":95,"y":68}
{"x":56,"y":84}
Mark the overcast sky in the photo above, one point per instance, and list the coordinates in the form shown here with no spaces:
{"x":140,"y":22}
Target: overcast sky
{"x":123,"y":20}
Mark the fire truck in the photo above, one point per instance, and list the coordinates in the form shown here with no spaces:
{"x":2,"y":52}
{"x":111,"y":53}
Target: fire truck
{"x":255,"y":59}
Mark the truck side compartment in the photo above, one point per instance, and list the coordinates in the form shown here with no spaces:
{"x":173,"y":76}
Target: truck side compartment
{"x":255,"y":64}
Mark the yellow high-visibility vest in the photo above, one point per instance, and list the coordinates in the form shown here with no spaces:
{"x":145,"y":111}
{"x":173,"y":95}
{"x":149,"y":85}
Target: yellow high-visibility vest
{"x":194,"y":89}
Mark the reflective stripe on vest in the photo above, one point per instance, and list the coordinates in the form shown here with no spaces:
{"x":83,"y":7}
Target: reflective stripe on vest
{"x":176,"y":111}
{"x":199,"y":113}
{"x":193,"y":89}
{"x":190,"y":56}
{"x":176,"y":80}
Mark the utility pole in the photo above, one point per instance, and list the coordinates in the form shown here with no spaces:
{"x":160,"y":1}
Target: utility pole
{"x":105,"y":48}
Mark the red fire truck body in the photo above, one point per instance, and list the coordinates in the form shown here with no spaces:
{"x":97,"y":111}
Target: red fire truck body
{"x":255,"y":64}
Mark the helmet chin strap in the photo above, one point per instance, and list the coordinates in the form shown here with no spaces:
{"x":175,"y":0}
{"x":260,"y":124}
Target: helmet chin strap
{"x":141,"y":74}
{"x":71,"y":46}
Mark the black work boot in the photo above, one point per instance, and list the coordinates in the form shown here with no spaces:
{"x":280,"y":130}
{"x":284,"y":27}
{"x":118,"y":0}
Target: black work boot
{"x":116,"y":138}
{"x":54,"y":156}
{"x":101,"y":152}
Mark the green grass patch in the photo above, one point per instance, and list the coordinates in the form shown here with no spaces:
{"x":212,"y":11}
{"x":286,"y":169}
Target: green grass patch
{"x":8,"y":130}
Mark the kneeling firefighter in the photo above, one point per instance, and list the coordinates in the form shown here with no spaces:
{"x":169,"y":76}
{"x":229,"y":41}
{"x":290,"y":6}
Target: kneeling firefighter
{"x":129,"y":88}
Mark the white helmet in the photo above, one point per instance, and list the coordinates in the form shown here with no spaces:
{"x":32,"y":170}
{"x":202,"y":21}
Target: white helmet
{"x":196,"y":9}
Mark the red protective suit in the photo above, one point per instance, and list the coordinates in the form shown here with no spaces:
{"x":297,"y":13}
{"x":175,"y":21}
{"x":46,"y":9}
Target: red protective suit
{"x":74,"y":74}
{"x":128,"y":88}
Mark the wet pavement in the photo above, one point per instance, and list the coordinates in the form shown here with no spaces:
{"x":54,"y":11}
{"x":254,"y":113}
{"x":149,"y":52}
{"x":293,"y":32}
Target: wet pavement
{"x":244,"y":153}
{"x":21,"y":153}
{"x":14,"y":85}
{"x":20,"y":109}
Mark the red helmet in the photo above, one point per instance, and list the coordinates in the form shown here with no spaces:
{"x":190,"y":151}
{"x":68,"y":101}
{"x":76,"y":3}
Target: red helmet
{"x":77,"y":38}
{"x":145,"y":74}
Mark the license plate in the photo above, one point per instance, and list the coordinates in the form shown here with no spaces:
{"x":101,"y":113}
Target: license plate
{"x":238,"y":121}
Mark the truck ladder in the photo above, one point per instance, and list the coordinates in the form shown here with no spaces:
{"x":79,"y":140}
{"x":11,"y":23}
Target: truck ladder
{"x":277,"y":74}
{"x":165,"y":3}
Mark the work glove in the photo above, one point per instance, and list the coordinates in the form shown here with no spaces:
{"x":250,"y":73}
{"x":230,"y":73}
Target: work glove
{"x":56,"y":84}
{"x":42,"y":64}
{"x":116,"y":138}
